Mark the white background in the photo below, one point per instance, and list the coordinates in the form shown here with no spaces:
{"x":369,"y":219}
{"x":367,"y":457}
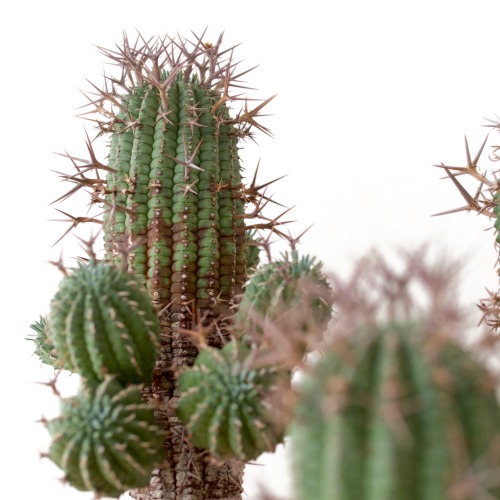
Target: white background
{"x":370,"y":95}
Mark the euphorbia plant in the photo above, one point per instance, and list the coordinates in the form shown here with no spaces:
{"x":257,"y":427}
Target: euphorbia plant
{"x":155,"y":316}
{"x":185,"y":343}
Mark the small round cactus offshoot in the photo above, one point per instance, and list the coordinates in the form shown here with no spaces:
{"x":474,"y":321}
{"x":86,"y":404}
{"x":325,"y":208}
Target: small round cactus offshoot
{"x":226,"y":404}
{"x":103,"y":322}
{"x":106,"y":439}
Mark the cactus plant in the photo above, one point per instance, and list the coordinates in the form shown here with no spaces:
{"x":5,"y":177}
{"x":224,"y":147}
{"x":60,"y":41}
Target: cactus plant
{"x":175,"y":221}
{"x":484,"y":202}
{"x":291,"y":292}
{"x":395,"y":407}
{"x":209,"y":349}
{"x":104,"y":327}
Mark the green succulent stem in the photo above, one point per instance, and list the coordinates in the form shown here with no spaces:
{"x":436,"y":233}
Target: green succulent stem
{"x":106,"y":439}
{"x":230,"y":407}
{"x":174,"y":204}
{"x":393,"y":412}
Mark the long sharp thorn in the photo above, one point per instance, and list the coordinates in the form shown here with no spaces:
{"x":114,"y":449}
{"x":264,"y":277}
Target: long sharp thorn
{"x":453,"y":211}
{"x":66,"y":195}
{"x":76,"y":220}
{"x":467,"y":153}
{"x":88,"y":245}
{"x":60,"y":265}
{"x":64,"y":234}
{"x":262,"y":104}
{"x":468,"y":198}
{"x":268,"y":198}
{"x":235,"y":77}
{"x":476,"y":159}
{"x":282,"y":214}
{"x":255,"y":174}
{"x":257,"y":188}
{"x":94,"y":161}
{"x":463,"y":170}
{"x":304,"y":232}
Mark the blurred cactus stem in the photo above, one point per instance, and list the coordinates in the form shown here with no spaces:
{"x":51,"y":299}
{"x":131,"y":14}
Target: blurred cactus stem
{"x":396,"y":407}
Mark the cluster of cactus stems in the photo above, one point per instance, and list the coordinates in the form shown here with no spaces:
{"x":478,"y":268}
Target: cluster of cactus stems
{"x":185,"y":342}
{"x":102,"y":325}
{"x":180,"y":238}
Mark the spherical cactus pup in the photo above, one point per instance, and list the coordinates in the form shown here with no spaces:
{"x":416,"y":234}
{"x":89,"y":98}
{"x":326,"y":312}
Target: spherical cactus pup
{"x":44,"y":347}
{"x":226,"y":404}
{"x":175,"y":202}
{"x":103,"y":322}
{"x":293,"y":294}
{"x":390,"y":413}
{"x":106,"y":439}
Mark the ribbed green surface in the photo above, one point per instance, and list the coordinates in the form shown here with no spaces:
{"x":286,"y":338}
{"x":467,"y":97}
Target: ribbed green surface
{"x":174,"y":217}
{"x":253,"y":251}
{"x":389,"y":415}
{"x":106,"y":439}
{"x":175,"y":194}
{"x":103,"y":322}
{"x":225,"y":404}
{"x":291,"y":292}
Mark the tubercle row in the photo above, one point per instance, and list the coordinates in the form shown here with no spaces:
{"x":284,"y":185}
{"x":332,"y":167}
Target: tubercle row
{"x":175,"y":198}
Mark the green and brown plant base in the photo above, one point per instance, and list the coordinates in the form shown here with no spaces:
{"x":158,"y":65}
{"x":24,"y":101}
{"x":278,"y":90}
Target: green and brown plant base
{"x":175,"y":223}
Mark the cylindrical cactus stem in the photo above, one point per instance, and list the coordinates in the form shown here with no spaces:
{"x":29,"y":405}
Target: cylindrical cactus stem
{"x":175,"y":217}
{"x":392,"y":413}
{"x":176,"y":197}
